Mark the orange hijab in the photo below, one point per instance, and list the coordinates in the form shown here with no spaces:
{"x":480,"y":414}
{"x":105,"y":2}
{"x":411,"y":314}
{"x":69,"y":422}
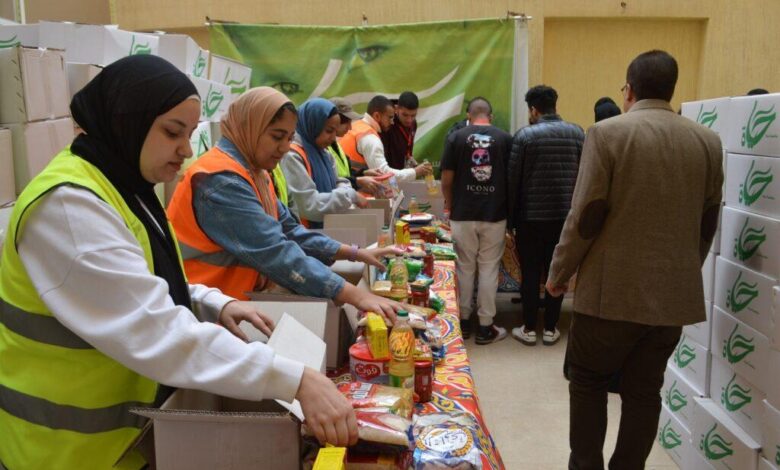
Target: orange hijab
{"x":245,"y":122}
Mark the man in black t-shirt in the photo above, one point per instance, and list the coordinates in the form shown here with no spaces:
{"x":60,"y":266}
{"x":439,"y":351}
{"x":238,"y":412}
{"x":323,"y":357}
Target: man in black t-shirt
{"x":473,"y":181}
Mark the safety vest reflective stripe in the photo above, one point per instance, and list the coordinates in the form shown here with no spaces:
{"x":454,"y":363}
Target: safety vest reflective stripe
{"x":41,"y":328}
{"x":220,"y":258}
{"x":71,"y":418}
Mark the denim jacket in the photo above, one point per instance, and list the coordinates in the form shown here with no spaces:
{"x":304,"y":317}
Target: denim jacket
{"x":229,"y":212}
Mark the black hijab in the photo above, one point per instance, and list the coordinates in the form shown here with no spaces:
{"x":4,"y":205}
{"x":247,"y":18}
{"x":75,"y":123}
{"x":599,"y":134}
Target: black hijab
{"x":116,"y":111}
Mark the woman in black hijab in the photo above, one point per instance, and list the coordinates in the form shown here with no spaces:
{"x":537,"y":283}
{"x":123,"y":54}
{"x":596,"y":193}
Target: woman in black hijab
{"x":605,"y":108}
{"x":96,"y":315}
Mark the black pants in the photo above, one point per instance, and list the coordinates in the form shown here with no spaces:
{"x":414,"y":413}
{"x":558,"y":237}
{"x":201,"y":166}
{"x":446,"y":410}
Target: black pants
{"x":536,"y":242}
{"x":598,"y":349}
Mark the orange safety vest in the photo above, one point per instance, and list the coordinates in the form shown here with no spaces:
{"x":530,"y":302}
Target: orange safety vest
{"x":300,"y":151}
{"x":349,"y":143}
{"x":205,"y":262}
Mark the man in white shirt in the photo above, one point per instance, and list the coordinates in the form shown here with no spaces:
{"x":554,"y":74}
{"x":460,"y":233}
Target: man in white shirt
{"x":364,"y":147}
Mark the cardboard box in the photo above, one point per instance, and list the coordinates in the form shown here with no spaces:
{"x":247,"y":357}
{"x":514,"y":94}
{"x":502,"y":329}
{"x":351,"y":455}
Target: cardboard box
{"x":677,"y":395}
{"x":753,"y":127}
{"x":200,"y":141}
{"x":700,"y":332}
{"x":215,"y":98}
{"x":673,"y":436}
{"x":695,"y":461}
{"x":237,"y":76}
{"x":7,"y":186}
{"x":742,"y":347}
{"x":33,"y":85}
{"x":720,"y":440}
{"x":121,"y":44}
{"x":764,"y":464}
{"x":692,"y":361}
{"x":708,"y":276}
{"x":95,"y":44}
{"x":774,"y":336}
{"x":18,"y":35}
{"x":770,"y":430}
{"x":183,"y":52}
{"x":79,"y":75}
{"x":5,"y":217}
{"x":773,"y":380}
{"x":711,"y":113}
{"x":35,"y":144}
{"x":739,"y":398}
{"x":753,"y":184}
{"x":745,"y":294}
{"x":751,"y":240}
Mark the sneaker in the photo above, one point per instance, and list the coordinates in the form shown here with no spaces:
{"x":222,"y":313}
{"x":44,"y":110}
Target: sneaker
{"x":490,"y":334}
{"x":465,"y":328}
{"x":551,"y":337}
{"x":526,"y":337}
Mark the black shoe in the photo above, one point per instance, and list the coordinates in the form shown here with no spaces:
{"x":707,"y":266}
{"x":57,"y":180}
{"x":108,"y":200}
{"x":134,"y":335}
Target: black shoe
{"x":490,"y":334}
{"x":465,"y":328}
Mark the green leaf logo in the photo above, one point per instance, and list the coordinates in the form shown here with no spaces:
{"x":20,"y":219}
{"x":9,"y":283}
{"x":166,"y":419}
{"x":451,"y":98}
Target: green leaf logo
{"x":668,"y":437}
{"x":237,"y":87}
{"x":211,"y":104}
{"x":200,"y":65}
{"x":741,"y":294}
{"x":737,"y":347}
{"x":707,"y":118}
{"x":715,"y":447}
{"x":733,"y":397}
{"x":11,"y":42}
{"x":684,"y":354}
{"x":754,"y":185}
{"x":757,"y":125}
{"x":203,"y":143}
{"x":749,"y":241}
{"x":139,"y":48}
{"x":675,"y":399}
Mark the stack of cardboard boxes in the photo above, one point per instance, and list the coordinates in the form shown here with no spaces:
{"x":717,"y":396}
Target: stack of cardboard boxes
{"x":739,"y":426}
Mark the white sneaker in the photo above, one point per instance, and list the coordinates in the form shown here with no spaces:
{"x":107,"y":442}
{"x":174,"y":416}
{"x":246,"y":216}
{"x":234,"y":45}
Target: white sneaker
{"x":551,"y":337}
{"x":526,"y":337}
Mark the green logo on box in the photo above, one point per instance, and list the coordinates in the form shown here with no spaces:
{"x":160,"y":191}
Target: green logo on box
{"x":237,"y":87}
{"x":684,"y":354}
{"x":754,"y":185}
{"x":749,"y":241}
{"x":741,"y":294}
{"x":675,"y":399}
{"x":757,"y":125}
{"x":777,"y":455}
{"x":668,"y":437}
{"x":715,"y":447}
{"x":9,"y":42}
{"x":203,"y":143}
{"x":200,"y":65}
{"x":139,"y":49}
{"x":737,"y":347}
{"x":707,"y":118}
{"x":733,"y":396}
{"x":211,"y":104}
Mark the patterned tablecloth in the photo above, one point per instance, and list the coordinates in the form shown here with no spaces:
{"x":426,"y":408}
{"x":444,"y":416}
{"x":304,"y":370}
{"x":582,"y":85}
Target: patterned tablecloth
{"x":453,"y":385}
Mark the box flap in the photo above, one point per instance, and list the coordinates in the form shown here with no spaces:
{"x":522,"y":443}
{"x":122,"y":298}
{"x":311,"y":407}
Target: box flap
{"x":310,"y":314}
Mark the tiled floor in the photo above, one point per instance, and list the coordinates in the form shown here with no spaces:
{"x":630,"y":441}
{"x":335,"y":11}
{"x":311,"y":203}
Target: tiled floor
{"x":525,"y":399}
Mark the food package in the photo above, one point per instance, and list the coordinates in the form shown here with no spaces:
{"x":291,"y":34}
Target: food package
{"x":443,"y":235}
{"x":382,"y":288}
{"x":422,"y":352}
{"x":424,"y":312}
{"x":417,"y":321}
{"x":331,"y":458}
{"x":436,"y":302}
{"x":422,"y":281}
{"x":365,"y":395}
{"x":378,"y":461}
{"x":441,"y":252}
{"x":413,"y":266}
{"x":365,"y":368}
{"x":376,"y":334}
{"x":388,"y":186}
{"x":381,"y":426}
{"x":446,"y":441}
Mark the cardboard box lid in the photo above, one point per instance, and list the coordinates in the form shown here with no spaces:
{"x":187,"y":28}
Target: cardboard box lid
{"x":18,"y":35}
{"x":745,"y":294}
{"x":215,"y":98}
{"x":712,"y":113}
{"x":753,"y":128}
{"x":7,"y":185}
{"x":33,"y":85}
{"x":183,"y":52}
{"x":710,"y":408}
{"x":80,"y":74}
{"x":234,"y":74}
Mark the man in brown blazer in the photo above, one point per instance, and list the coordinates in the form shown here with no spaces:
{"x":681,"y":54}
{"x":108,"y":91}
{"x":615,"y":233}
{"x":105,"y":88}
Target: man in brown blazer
{"x":643,"y":216}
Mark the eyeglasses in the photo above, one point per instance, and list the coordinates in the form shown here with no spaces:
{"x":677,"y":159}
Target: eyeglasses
{"x":625,"y":87}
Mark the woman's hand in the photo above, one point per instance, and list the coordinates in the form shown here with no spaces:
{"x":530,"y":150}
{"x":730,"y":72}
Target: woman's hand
{"x":233,"y":313}
{"x":374,"y":256}
{"x":367,"y":184}
{"x":361,"y":201}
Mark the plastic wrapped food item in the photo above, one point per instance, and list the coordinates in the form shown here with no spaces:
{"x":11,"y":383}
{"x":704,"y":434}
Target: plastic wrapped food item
{"x":381,"y":426}
{"x":442,"y":252}
{"x":381,"y":288}
{"x":422,"y":352}
{"x":388,"y":186}
{"x":365,"y":395}
{"x":424,"y":312}
{"x":422,"y":280}
{"x":435,"y":302}
{"x":443,"y":235}
{"x":417,"y":321}
{"x":446,"y":441}
{"x":413,"y":266}
{"x":364,"y":367}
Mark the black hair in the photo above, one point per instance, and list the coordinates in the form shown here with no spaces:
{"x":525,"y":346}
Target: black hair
{"x":543,"y":98}
{"x":653,"y":75}
{"x":757,"y":91}
{"x":479,"y":99}
{"x":288,"y":106}
{"x":605,"y":108}
{"x":378,"y":104}
{"x":408,"y":100}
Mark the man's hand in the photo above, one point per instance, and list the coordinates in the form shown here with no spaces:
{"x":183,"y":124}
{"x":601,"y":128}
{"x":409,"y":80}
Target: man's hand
{"x":374,"y":256}
{"x":556,"y":291}
{"x":327,"y":412}
{"x":233,"y":313}
{"x":423,"y":169}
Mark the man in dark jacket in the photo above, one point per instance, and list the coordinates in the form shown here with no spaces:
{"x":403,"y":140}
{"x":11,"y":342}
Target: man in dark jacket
{"x":543,"y":169}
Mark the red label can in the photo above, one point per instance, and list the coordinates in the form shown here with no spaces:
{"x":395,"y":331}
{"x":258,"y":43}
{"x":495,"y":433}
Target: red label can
{"x":423,"y":380}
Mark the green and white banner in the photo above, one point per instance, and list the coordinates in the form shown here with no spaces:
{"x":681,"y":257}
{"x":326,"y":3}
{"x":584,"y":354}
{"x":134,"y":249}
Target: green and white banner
{"x":444,"y":63}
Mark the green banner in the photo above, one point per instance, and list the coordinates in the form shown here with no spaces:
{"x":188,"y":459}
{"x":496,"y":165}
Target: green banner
{"x":444,"y":63}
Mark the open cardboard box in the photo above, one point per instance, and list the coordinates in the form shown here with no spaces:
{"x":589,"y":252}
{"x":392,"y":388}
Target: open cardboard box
{"x":35,"y":144}
{"x":370,"y":220}
{"x":33,"y":85}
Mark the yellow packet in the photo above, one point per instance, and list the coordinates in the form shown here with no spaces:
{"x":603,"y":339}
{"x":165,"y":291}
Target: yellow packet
{"x":331,"y":458}
{"x":376,"y":333}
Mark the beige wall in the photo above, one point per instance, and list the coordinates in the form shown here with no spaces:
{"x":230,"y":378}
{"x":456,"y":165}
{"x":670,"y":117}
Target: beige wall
{"x":737,"y":52}
{"x":82,"y":11}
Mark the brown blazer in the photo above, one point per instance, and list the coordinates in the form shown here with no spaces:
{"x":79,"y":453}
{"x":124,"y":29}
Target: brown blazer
{"x":643,"y":216}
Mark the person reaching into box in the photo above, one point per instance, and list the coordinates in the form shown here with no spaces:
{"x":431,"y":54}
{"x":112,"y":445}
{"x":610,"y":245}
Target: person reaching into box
{"x":96,"y":314}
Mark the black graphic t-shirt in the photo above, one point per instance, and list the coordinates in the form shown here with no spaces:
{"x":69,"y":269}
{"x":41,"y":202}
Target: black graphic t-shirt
{"x":478,"y":155}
